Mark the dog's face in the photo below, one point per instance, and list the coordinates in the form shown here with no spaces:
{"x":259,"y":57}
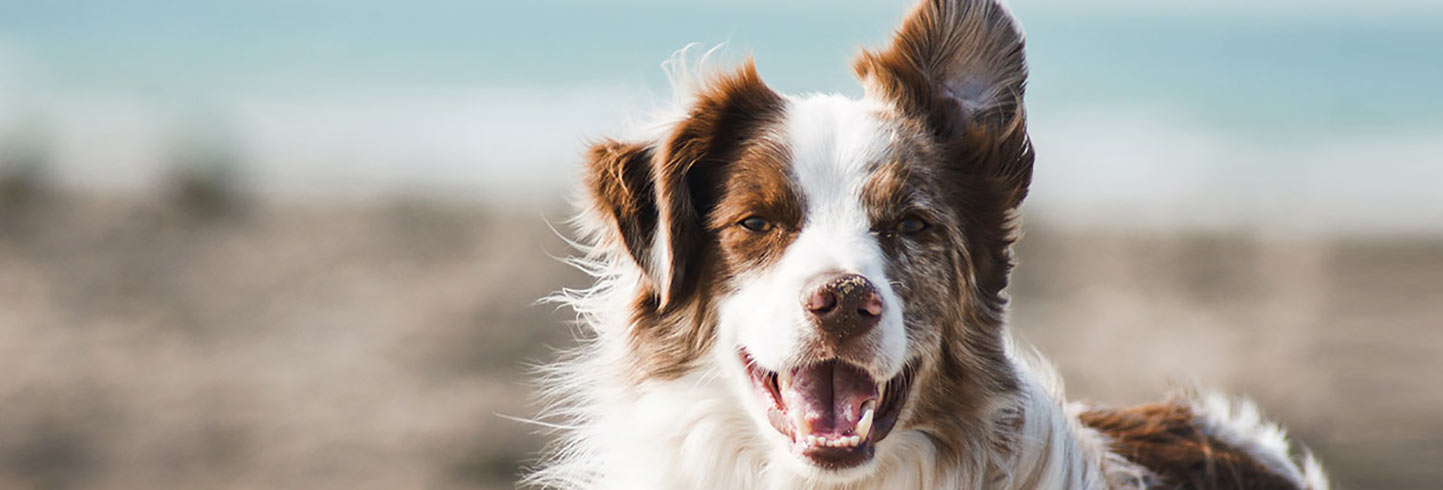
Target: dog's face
{"x":842,"y":261}
{"x":845,"y":262}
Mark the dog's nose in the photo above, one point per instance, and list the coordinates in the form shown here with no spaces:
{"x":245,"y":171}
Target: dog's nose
{"x":844,"y":306}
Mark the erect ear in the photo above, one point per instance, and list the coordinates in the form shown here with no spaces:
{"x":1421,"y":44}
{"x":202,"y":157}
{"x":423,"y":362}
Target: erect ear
{"x":659,"y":194}
{"x":958,"y":65}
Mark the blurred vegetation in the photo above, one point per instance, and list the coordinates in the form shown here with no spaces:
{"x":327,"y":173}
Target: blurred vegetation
{"x":206,"y":189}
{"x":205,"y":181}
{"x":24,"y":172}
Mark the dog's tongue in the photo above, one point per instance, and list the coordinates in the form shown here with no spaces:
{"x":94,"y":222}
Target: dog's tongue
{"x":826,"y":398}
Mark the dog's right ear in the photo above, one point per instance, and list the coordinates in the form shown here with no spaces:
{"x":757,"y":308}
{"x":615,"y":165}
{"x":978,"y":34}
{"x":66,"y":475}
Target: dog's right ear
{"x":658,"y":195}
{"x":619,"y":181}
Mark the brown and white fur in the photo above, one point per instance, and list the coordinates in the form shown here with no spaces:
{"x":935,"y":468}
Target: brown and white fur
{"x":808,"y":292}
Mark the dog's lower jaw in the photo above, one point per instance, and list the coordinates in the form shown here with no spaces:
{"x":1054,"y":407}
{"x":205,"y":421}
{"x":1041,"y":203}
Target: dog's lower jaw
{"x":697,"y":432}
{"x":838,"y":437}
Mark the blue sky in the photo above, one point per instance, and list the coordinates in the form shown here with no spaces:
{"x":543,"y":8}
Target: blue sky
{"x":1209,"y":104}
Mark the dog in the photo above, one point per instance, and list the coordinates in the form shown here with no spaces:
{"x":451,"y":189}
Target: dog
{"x":809,"y":292}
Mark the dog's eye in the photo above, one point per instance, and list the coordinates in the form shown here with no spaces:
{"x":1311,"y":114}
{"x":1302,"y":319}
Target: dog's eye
{"x":756,"y":223}
{"x":911,"y":225}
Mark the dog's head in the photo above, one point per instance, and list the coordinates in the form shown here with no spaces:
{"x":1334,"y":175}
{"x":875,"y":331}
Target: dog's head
{"x":842,"y":260}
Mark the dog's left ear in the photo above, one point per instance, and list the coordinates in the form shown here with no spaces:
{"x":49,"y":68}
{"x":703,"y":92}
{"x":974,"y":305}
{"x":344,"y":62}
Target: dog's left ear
{"x":958,"y":65}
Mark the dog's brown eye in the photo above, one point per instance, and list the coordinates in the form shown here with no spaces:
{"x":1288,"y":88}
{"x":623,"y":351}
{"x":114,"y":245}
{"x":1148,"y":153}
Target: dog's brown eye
{"x":756,"y":223}
{"x":911,"y":225}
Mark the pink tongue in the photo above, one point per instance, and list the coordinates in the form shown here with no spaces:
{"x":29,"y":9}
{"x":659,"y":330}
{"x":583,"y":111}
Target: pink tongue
{"x":826,"y":398}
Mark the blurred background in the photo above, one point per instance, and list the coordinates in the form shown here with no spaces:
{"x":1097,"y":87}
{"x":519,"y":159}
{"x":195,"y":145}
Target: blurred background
{"x":298,"y":244}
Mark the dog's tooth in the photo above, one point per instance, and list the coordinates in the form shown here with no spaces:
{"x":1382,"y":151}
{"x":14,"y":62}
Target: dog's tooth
{"x":784,"y":379}
{"x":856,"y":440}
{"x":864,"y":425}
{"x":800,"y":423}
{"x":881,"y":392}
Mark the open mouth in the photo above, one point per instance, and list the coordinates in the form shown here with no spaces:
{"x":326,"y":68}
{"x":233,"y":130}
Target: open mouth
{"x":833,"y":411}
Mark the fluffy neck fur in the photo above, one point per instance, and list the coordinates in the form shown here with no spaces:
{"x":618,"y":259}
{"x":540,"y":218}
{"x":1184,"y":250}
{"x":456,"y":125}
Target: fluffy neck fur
{"x":694,"y":432}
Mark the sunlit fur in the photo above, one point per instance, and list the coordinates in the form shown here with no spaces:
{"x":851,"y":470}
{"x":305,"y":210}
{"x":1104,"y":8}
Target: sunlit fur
{"x":656,"y":396}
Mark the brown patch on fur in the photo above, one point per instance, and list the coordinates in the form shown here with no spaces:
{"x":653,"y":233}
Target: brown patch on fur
{"x":670,"y":191}
{"x":957,"y":67}
{"x":722,"y":122}
{"x":759,"y":184}
{"x":1166,"y":439}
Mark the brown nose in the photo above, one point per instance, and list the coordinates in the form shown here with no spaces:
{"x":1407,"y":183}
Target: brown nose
{"x":844,"y":306}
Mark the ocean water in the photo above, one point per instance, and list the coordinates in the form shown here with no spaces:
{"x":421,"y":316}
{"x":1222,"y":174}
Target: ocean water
{"x":1301,"y":116}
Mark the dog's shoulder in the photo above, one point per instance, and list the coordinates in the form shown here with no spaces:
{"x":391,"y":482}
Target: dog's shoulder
{"x":1204,"y":443}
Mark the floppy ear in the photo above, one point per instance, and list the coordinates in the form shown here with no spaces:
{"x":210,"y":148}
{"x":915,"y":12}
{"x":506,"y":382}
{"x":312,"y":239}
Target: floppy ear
{"x":619,"y":180}
{"x":659,"y":194}
{"x":958,"y":65}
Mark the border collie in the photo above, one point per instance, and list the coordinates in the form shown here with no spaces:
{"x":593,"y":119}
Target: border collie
{"x":808,"y":292}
